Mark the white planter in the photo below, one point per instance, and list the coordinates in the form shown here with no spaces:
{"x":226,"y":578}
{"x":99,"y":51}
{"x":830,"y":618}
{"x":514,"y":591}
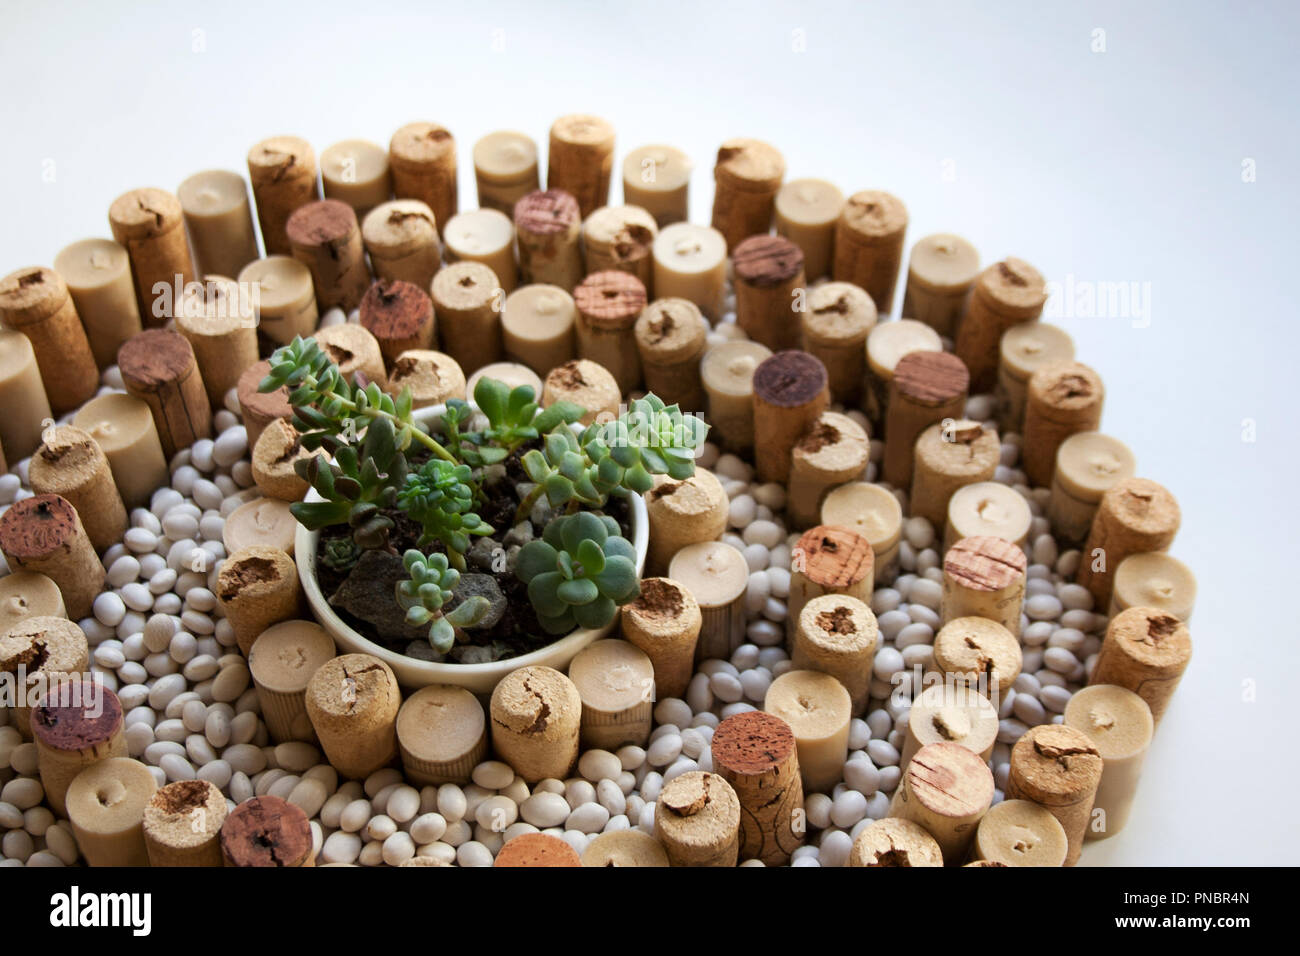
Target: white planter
{"x":479,"y":678}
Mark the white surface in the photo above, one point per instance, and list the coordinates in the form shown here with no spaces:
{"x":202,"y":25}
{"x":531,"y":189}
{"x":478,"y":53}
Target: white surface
{"x":1117,"y":166}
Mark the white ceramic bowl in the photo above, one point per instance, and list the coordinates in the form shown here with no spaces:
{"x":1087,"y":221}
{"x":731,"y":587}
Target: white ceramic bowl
{"x":479,"y":678}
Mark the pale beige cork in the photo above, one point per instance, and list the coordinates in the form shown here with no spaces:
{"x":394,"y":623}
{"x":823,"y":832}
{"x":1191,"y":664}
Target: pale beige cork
{"x":1020,"y":833}
{"x":1058,"y":768}
{"x":872,"y":512}
{"x":353,"y":350}
{"x":282,"y":661}
{"x":837,"y":634}
{"x":1146,"y":650}
{"x":1119,"y":722}
{"x":979,"y":653}
{"x":683,"y":512}
{"x":895,"y":842}
{"x":352,"y":701}
{"x":1024,"y":349}
{"x":25,"y":594}
{"x":432,"y":377}
{"x":71,"y":464}
{"x":946,"y":789}
{"x":957,"y":714}
{"x":950,"y":456}
{"x":106,"y":805}
{"x":442,"y":735}
{"x":182,"y":824}
{"x":941,"y":271}
{"x":716,"y":575}
{"x":697,"y":818}
{"x":818,"y":709}
{"x":1154,"y":579}
{"x":1088,"y":464}
{"x":536,"y":719}
{"x":39,"y":650}
{"x":624,"y":848}
{"x":588,"y":385}
{"x":258,"y":587}
{"x":277,"y":449}
{"x":616,"y":682}
{"x":664,"y":621}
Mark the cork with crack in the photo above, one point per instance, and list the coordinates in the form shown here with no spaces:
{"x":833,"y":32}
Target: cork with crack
{"x":946,"y":789}
{"x":683,"y":512}
{"x":1146,"y":650}
{"x":697,"y":819}
{"x":353,"y":701}
{"x":258,"y":587}
{"x":895,"y":842}
{"x":266,"y":832}
{"x":837,"y":634}
{"x":664,"y":620}
{"x":44,"y":534}
{"x":70,"y":463}
{"x":1058,"y":768}
{"x":536,"y":718}
{"x":755,"y":753}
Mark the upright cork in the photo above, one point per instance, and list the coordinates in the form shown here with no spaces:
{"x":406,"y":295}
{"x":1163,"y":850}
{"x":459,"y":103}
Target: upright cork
{"x":691,"y":263}
{"x":1024,"y":349}
{"x":697,"y":819}
{"x":264,"y":832}
{"x":282,"y":170}
{"x":355,"y":351}
{"x":624,"y":848}
{"x":869,"y":244}
{"x":432,"y":377}
{"x":608,"y":304}
{"x":586,"y":384}
{"x":282,"y":661}
{"x":756,"y":754}
{"x":401,"y":238}
{"x":505,"y":169}
{"x":978,"y":653}
{"x":1088,"y":464}
{"x":422,"y":157}
{"x":35,"y":655}
{"x":927,"y":387}
{"x":285,"y":303}
{"x":36,"y":302}
{"x":69,"y":463}
{"x":664,"y":621}
{"x":615,"y":680}
{"x":620,"y":239}
{"x":818,"y":709}
{"x":950,"y":713}
{"x":683,"y":512}
{"x":1136,"y":515}
{"x":1119,"y":723}
{"x":727,"y":375}
{"x":746,"y":178}
{"x":150,"y":224}
{"x":468,"y":307}
{"x":716,"y":575}
{"x":874,"y":513}
{"x":1020,"y":833}
{"x":895,"y":842}
{"x":217,"y":320}
{"x":1005,"y":294}
{"x":769,"y":275}
{"x":946,"y":789}
{"x":260,"y":522}
{"x":837,"y":634}
{"x":159,"y":368}
{"x":948,"y":457}
{"x":1146,"y":651}
{"x":987,"y":508}
{"x":580,"y":160}
{"x":834,"y":451}
{"x":76,"y":723}
{"x":887,"y":343}
{"x":940,"y":273}
{"x":536,"y":718}
{"x":352,"y":701}
{"x":123,"y":427}
{"x":1157,"y":580}
{"x":790,"y":394}
{"x":24,"y":594}
{"x":1058,"y":768}
{"x":806,"y":213}
{"x":105,"y":804}
{"x":834,"y":326}
{"x":1065,"y":398}
{"x":324,"y":236}
{"x":671,"y":336}
{"x":257,"y":587}
{"x":182,"y":824}
{"x":442,"y":735}
{"x":486,"y":236}
{"x":537,"y":327}
{"x":400,"y":317}
{"x":657,"y":178}
{"x":536,"y":849}
{"x":356,"y":172}
{"x":44,"y":534}
{"x":219,"y":221}
{"x":828,"y":559}
{"x":984,"y":576}
{"x":98,"y":275}
{"x":547,"y":227}
{"x":22,"y":395}
{"x":260,"y":409}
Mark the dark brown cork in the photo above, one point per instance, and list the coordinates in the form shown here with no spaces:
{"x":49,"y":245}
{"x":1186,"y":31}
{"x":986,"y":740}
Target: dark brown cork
{"x":266,"y":831}
{"x":789,"y":379}
{"x":611,"y":299}
{"x":37,"y":527}
{"x":752,"y":743}
{"x":154,"y":358}
{"x":67,"y":721}
{"x":537,"y":849}
{"x":323,"y":222}
{"x":546,"y":212}
{"x":767,"y":260}
{"x":931,"y":378}
{"x":393,"y":309}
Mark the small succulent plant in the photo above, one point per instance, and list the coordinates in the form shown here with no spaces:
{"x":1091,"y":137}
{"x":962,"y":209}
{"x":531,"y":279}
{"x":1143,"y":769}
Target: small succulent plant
{"x":427,"y":592}
{"x":513,"y":418}
{"x":579,"y":572}
{"x":439,"y":496}
{"x":341,"y":554}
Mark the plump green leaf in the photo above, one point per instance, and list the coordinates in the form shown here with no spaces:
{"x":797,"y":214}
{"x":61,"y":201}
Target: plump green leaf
{"x":578,"y":591}
{"x":535,"y":466}
{"x":618,"y":580}
{"x":543,"y":593}
{"x":619,"y":547}
{"x":442,"y":635}
{"x":536,"y":557}
{"x":559,"y":413}
{"x":314,"y":515}
{"x":492,"y":396}
{"x":558,"y":489}
{"x":469,"y":611}
{"x":557,"y":624}
{"x":596,"y":614}
{"x":590,"y":557}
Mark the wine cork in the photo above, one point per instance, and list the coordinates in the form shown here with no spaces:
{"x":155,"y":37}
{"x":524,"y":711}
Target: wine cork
{"x":1157,"y":580}
{"x":818,"y":709}
{"x":354,"y":350}
{"x":547,"y":227}
{"x":580,"y":160}
{"x":536,"y":849}
{"x":35,"y":301}
{"x":324,"y":236}
{"x":806,"y":213}
{"x":608,"y":305}
{"x":400,"y":317}
{"x":989,"y":509}
{"x":664,"y":622}
{"x":279,"y":447}
{"x":34,"y":654}
{"x":1146,"y":650}
{"x":984,"y":576}
{"x":1005,"y":294}
{"x":150,"y":224}
{"x":837,"y":634}
{"x":401,"y":238}
{"x":691,"y":263}
{"x":1088,"y":464}
{"x":657,"y":178}
{"x":1064,"y":398}
{"x":835,"y":325}
{"x":683,"y":512}
{"x":264,"y":832}
{"x":432,"y":377}
{"x":697,"y":819}
{"x":218,"y":322}
{"x":1119,"y":724}
{"x":895,"y":842}
{"x":834,"y":451}
{"x":927,"y":387}
{"x":486,"y":236}
{"x":979,"y":653}
{"x":536,"y":718}
{"x":769,"y":277}
{"x":1020,"y":833}
{"x":505,"y":169}
{"x":1058,"y":768}
{"x":887,"y":343}
{"x":442,"y":735}
{"x":616,"y":682}
{"x":260,"y":522}
{"x":25,"y":594}
{"x":356,"y":172}
{"x":282,"y":170}
{"x":790,"y":395}
{"x":716,"y":575}
{"x":260,"y":409}
{"x":159,"y":367}
{"x":537,"y":327}
{"x":76,"y":723}
{"x":756,"y":754}
{"x":1136,"y":515}
{"x":586,"y":384}
{"x":620,"y":238}
{"x":422,"y":157}
{"x":671,"y":336}
{"x":98,"y":275}
{"x":874,"y":513}
{"x":257,"y":587}
{"x":123,"y":427}
{"x":624,"y":848}
{"x":746,"y":178}
{"x":285,"y":298}
{"x":946,"y":789}
{"x":282,"y":661}
{"x":1024,"y":349}
{"x":952,"y":713}
{"x":869,"y":244}
{"x":22,"y":395}
{"x":44,"y":534}
{"x":352,"y":701}
{"x":828,"y":560}
{"x":950,"y":456}
{"x":727,"y":376}
{"x":467,"y":302}
{"x":69,"y":463}
{"x":106,"y":803}
{"x":182,"y":824}
{"x":941,"y":271}
{"x":511,"y":373}
{"x":219,"y":221}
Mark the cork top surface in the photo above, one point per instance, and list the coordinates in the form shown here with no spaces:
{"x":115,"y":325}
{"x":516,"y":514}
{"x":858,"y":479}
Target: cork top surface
{"x":1066,"y":387}
{"x":30,"y":295}
{"x":266,"y":831}
{"x":75,"y":715}
{"x":931,"y":378}
{"x":954,"y":713}
{"x":809,"y":201}
{"x":254,"y":572}
{"x":505,"y":154}
{"x":93,"y":263}
{"x":1088,"y":463}
{"x":583,"y":381}
{"x":767,"y":261}
{"x":663,"y":606}
{"x":537,"y":849}
{"x":399,"y":226}
{"x":547,"y":212}
{"x":16,"y":353}
{"x":212,"y":191}
{"x":839,"y":623}
{"x":25,"y":594}
{"x":440,"y":723}
{"x":966,"y":449}
{"x":989,"y":508}
{"x":866,"y":508}
{"x":749,"y":163}
{"x":672,"y":168}
{"x":752,"y":743}
{"x":815,"y":705}
{"x":697,"y":496}
{"x":144,"y":213}
{"x":698,"y":809}
{"x":281,"y":158}
{"x":839,"y":313}
{"x":353,"y":160}
{"x":888,"y":342}
{"x":421,"y":143}
{"x":395,"y":309}
{"x":1115,"y":719}
{"x":610,"y":300}
{"x":154,"y":358}
{"x":671,"y":330}
{"x":873,"y":216}
{"x":319,"y":223}
{"x":943,"y":263}
{"x":834,"y":556}
{"x":38,"y":526}
{"x":628,"y":231}
{"x":260,"y":521}
{"x":1151,"y":579}
{"x":536,"y":701}
{"x":984,"y":563}
{"x":612,"y":675}
{"x":690,"y":249}
{"x":478,"y":232}
{"x":431,"y":376}
{"x":109,"y":797}
{"x":790,"y":379}
{"x":715,"y":573}
{"x":1021,"y":833}
{"x":1013,"y":286}
{"x":950,"y":780}
{"x":216,"y":307}
{"x":463,"y":286}
{"x":265,"y":405}
{"x":978,"y":648}
{"x":48,"y":645}
{"x":539,"y":312}
{"x":277,"y":448}
{"x":285,"y":656}
{"x":581,"y":129}
{"x":894,"y":841}
{"x":1053,"y":763}
{"x":1028,"y":346}
{"x":1155,"y":638}
{"x":185,"y":814}
{"x":624,"y":848}
{"x":1141,"y":505}
{"x":729,"y":368}
{"x":350,"y":346}
{"x":66,"y":457}
{"x":349,"y":685}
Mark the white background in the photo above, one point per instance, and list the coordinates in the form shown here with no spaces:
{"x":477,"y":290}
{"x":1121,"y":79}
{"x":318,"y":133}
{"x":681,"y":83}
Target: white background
{"x":998,"y":121}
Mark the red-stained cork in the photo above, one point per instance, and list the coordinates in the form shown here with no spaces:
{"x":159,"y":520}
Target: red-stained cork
{"x":76,"y":718}
{"x":931,"y":378}
{"x":393,"y":309}
{"x":767,"y":260}
{"x":322,"y":222}
{"x":537,"y":849}
{"x":547,"y":212}
{"x":266,"y":831}
{"x":37,"y":527}
{"x":752,"y":743}
{"x":610,"y":299}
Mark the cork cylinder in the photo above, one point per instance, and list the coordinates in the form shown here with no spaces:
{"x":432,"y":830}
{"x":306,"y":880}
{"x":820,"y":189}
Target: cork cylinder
{"x":158,"y":367}
{"x":697,"y":819}
{"x":1058,"y":768}
{"x":36,"y":302}
{"x":580,"y":159}
{"x":76,"y":723}
{"x":182,"y":824}
{"x":806,"y":213}
{"x":537,"y":327}
{"x":790,"y":394}
{"x":746,"y":177}
{"x":105,"y":804}
{"x":615,"y":680}
{"x":257,"y":587}
{"x":432,"y":377}
{"x":869,"y":244}
{"x":285,"y":299}
{"x":486,"y":236}
{"x":818,"y":709}
{"x":727,"y":376}
{"x":1088,"y":464}
{"x":1024,"y":349}
{"x":984,"y":576}
{"x":691,"y":263}
{"x":282,"y":661}
{"x":505,"y":169}
{"x":832,"y":452}
{"x":979,"y":653}
{"x":468,"y":308}
{"x":44,"y":534}
{"x":536,"y":719}
{"x":441,"y":735}
{"x":671,"y":336}
{"x":620,"y":239}
{"x":837,"y":634}
{"x":950,"y":713}
{"x":835,"y":325}
{"x":548,"y":225}
{"x":1135,"y":516}
{"x":352,"y":701}
{"x":828,"y":560}
{"x":1064,"y":398}
{"x":895,"y":842}
{"x":356,"y":172}
{"x":657,"y":178}
{"x":716,"y":575}
{"x":536,"y":849}
{"x":682,"y":513}
{"x":1145,"y":651}
{"x":98,"y":276}
{"x":624,"y":848}
{"x":769,"y":275}
{"x":401,"y":238}
{"x":219,"y":221}
{"x":265,"y":832}
{"x":927,"y":387}
{"x":24,"y":594}
{"x":38,"y":652}
{"x":218,"y":322}
{"x":1005,"y":294}
{"x":324,"y":236}
{"x":1119,"y":724}
{"x":887,"y":343}
{"x":69,"y":463}
{"x":511,"y":373}
{"x":664,"y":621}
{"x":1157,"y":580}
{"x":874,"y":513}
{"x":150,"y":224}
{"x":946,"y":789}
{"x":282,"y":171}
{"x":355,"y":351}
{"x":950,"y":456}
{"x":756,"y":754}
{"x":586,"y":384}
{"x":400,"y":317}
{"x":422,"y":157}
{"x":1020,"y":833}
{"x":941,"y":271}
{"x":608,"y":305}
{"x":22,"y":395}
{"x":123,"y":427}
{"x":258,"y":408}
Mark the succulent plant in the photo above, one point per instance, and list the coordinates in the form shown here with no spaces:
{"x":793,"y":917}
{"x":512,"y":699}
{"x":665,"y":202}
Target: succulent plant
{"x":513,"y":419}
{"x":341,"y":554}
{"x":428,"y":590}
{"x":439,"y":496}
{"x":580,"y":571}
